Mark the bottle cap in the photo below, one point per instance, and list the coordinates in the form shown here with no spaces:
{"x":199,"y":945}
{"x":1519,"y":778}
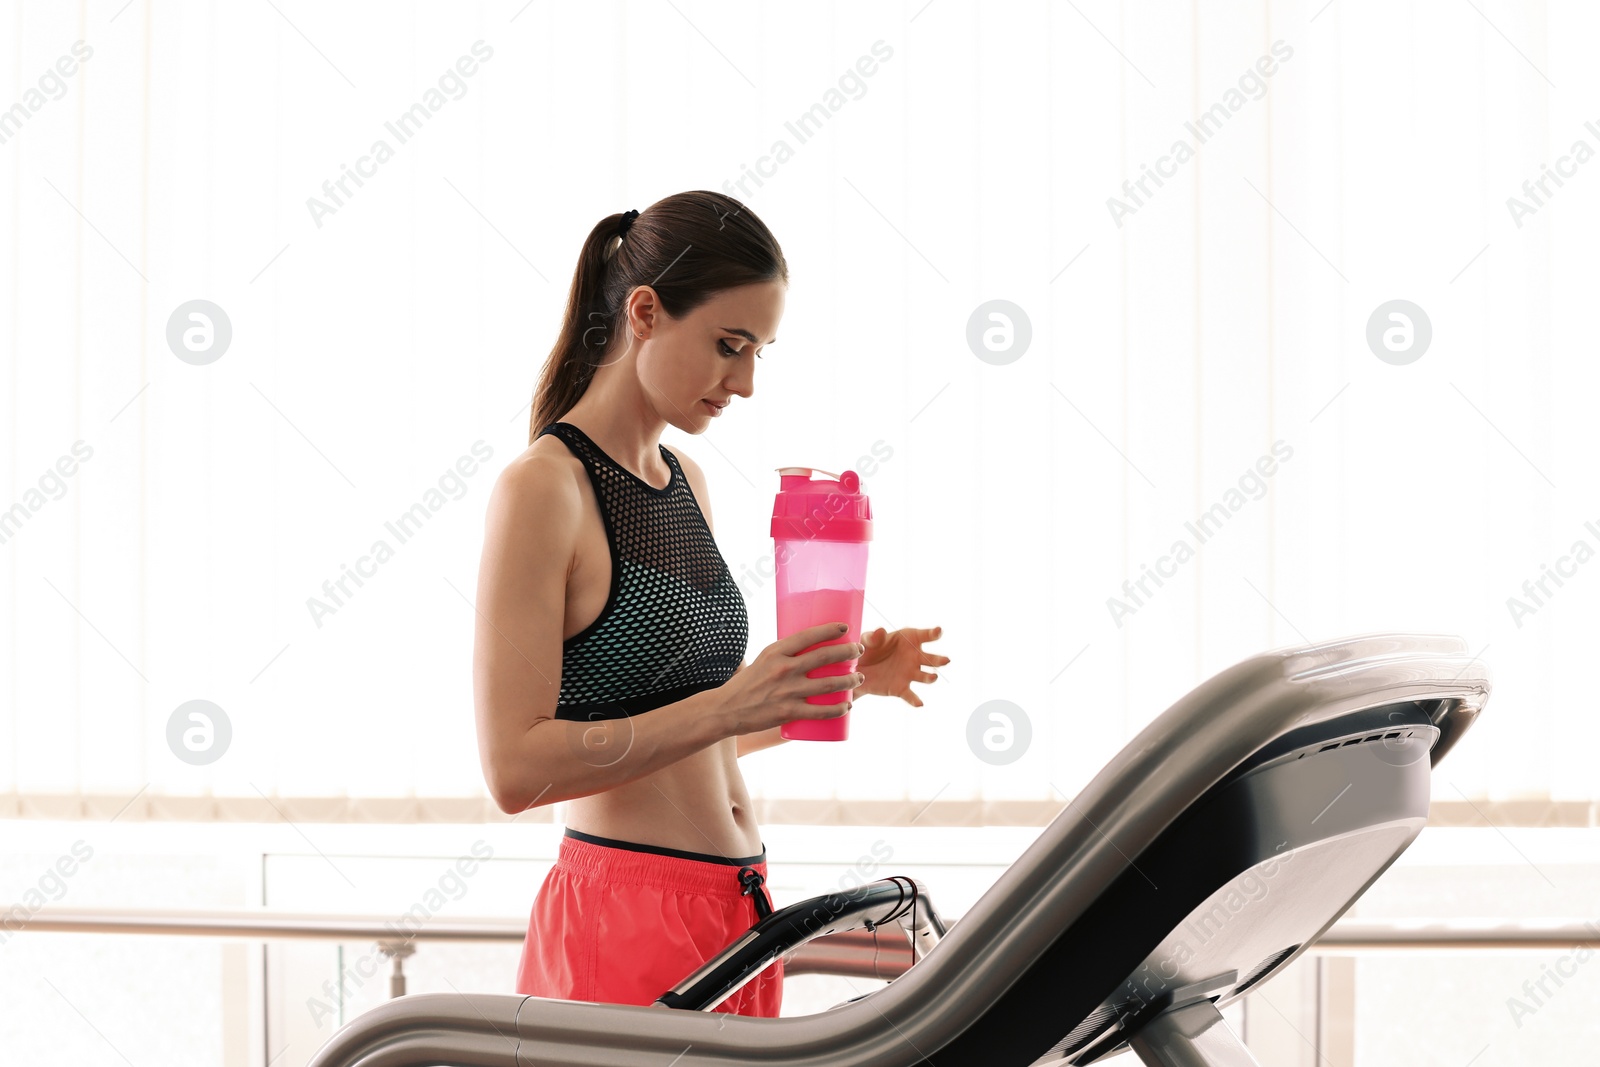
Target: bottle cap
{"x":820,"y":509}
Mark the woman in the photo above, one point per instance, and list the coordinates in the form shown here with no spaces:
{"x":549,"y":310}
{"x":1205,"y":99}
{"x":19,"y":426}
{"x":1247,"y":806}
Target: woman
{"x":608,"y":662}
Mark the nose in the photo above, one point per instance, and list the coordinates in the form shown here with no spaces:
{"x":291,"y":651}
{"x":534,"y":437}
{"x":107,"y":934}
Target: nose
{"x":742,"y":382}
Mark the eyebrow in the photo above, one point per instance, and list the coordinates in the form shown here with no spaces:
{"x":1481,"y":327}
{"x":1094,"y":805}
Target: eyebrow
{"x":747,"y":335}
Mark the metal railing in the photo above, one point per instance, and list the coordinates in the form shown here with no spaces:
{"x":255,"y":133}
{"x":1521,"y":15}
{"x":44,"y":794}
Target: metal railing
{"x":857,"y":953}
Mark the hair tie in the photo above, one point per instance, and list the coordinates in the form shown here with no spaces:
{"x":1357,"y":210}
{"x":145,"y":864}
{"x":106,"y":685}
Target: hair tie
{"x":627,"y":221}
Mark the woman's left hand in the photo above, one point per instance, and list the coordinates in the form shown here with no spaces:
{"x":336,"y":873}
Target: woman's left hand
{"x":892,"y":661}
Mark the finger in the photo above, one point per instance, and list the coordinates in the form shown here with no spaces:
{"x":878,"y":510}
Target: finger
{"x":831,"y":683}
{"x":933,"y":659}
{"x":931,"y":633}
{"x":801,"y":640}
{"x":925,"y":676}
{"x":829,"y":654}
{"x":912,"y":699}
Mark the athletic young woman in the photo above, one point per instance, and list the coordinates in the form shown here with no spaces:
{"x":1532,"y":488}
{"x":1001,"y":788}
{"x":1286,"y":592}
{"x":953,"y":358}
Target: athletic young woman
{"x":609,"y":652}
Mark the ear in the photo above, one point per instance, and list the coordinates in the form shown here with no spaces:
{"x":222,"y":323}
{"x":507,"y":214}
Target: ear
{"x":640,"y":308}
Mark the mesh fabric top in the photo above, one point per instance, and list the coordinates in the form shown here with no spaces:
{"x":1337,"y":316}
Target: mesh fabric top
{"x":674,"y":622}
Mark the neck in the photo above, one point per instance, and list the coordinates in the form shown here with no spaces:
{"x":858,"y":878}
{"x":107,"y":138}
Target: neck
{"x":617,"y":416}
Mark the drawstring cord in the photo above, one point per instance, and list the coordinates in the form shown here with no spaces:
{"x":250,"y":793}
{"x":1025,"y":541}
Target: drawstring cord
{"x":752,"y":881}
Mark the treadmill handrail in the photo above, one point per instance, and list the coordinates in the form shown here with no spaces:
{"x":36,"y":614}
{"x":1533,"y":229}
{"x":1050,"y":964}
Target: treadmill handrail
{"x":896,"y":899}
{"x":1150,"y":783}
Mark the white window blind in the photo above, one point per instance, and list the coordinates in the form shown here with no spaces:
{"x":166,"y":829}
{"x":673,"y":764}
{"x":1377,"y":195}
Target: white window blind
{"x":176,"y":532}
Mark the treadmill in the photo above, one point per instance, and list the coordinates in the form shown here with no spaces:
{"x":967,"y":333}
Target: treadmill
{"x":1214,"y":849}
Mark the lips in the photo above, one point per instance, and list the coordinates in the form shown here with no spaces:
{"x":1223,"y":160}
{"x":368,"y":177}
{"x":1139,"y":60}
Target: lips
{"x":714,"y":409}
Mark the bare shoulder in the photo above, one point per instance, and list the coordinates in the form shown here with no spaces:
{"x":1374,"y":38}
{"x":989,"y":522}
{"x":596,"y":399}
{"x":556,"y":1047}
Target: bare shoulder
{"x":697,"y":481}
{"x":541,"y":483}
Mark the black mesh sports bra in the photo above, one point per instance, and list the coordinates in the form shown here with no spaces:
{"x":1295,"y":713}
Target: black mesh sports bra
{"x":674,"y":622}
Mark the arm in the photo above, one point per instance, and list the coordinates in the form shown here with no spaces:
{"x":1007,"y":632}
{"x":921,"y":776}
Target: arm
{"x":528,"y":756}
{"x":759,"y":740}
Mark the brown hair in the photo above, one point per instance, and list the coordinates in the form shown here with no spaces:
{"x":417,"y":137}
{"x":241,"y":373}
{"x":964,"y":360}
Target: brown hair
{"x":687,"y":247}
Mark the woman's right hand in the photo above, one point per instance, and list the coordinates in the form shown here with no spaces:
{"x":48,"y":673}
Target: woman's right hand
{"x":772,"y":690}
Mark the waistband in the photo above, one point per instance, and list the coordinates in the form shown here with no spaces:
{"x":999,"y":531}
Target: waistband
{"x":655,"y":865}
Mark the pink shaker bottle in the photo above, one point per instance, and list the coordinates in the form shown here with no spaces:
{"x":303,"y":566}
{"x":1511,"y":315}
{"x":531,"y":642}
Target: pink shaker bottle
{"x":820,"y":530}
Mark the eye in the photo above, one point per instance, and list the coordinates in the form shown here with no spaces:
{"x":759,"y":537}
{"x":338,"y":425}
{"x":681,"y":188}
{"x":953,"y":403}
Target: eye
{"x":723,"y":345}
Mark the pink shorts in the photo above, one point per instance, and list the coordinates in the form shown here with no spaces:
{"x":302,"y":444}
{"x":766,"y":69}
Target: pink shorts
{"x":621,"y":923}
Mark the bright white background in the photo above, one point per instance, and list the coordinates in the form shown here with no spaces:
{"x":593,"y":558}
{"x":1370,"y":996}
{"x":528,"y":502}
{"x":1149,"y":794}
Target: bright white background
{"x":1168,"y":354}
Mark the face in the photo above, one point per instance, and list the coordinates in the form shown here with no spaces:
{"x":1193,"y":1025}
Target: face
{"x":709,"y":356}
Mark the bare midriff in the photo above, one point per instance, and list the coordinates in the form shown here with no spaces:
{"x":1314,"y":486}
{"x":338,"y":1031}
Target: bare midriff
{"x":698,"y":804}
